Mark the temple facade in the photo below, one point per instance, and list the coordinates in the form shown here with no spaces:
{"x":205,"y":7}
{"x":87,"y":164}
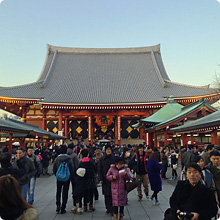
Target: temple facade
{"x":94,"y":93}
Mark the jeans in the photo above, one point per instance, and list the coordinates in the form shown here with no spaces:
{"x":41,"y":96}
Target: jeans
{"x":31,"y":190}
{"x":24,"y":190}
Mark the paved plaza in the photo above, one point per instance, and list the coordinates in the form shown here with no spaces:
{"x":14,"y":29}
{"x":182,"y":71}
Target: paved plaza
{"x":45,"y":203}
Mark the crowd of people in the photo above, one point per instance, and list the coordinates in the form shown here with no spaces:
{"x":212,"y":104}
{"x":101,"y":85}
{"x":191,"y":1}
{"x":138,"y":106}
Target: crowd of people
{"x":112,"y":166}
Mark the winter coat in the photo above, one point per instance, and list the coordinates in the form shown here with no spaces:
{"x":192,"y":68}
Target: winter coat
{"x":63,"y":158}
{"x":89,"y":165}
{"x":46,"y":159}
{"x":119,"y":195}
{"x":154,"y":168}
{"x":15,"y":172}
{"x":216,"y":176}
{"x":29,"y":169}
{"x":103,"y":166}
{"x":74,"y":158}
{"x":137,"y":163}
{"x":199,"y":199}
{"x":17,"y":214}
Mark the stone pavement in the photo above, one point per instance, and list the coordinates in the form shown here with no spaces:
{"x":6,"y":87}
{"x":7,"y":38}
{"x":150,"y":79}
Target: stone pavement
{"x":45,"y":203}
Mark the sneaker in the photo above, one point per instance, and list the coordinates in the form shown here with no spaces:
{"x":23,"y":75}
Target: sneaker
{"x":171,"y":178}
{"x":91,"y":208}
{"x":74,"y":209}
{"x":156,"y":202}
{"x":147,"y":196}
{"x":79,"y":211}
{"x":140,"y":197}
{"x":85,"y":208}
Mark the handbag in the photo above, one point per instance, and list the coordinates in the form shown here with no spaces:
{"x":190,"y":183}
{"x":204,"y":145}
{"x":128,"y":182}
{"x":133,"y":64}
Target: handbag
{"x":131,"y":184}
{"x":175,"y":166}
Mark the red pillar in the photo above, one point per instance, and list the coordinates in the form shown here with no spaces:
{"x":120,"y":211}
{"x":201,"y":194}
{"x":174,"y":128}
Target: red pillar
{"x":60,"y":121}
{"x":165,"y":138}
{"x":214,"y":137}
{"x":10,"y":143}
{"x":192,"y":139}
{"x":184,"y":139}
{"x":66,"y":129}
{"x":155,"y":139}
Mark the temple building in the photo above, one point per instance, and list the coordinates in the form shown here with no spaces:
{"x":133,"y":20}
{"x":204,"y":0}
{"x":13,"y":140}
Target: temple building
{"x":94,"y":93}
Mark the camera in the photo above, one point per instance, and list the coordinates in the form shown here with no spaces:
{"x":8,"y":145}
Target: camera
{"x":185,"y":215}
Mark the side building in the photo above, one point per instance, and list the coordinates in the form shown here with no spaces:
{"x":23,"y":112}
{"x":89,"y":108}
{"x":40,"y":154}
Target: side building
{"x":94,"y":93}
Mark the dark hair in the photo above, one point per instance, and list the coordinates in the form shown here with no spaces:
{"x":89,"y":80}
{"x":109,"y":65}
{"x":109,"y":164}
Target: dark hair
{"x":10,"y":194}
{"x":71,"y":146}
{"x":22,"y":149}
{"x":140,"y":146}
{"x":196,"y":158}
{"x":214,"y":153}
{"x":5,"y":158}
{"x":119,"y":160}
{"x":84,"y":152}
{"x":194,"y":165}
{"x":155,"y":155}
{"x":63,"y":149}
{"x":210,"y":146}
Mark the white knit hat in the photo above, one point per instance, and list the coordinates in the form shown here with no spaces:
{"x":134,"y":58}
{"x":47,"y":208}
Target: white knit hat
{"x":81,"y":172}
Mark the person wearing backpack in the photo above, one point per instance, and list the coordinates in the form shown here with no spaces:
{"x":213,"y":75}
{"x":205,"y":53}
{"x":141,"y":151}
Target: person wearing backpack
{"x":63,"y":169}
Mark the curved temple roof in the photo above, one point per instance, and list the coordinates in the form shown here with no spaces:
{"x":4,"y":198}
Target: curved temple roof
{"x":103,"y":76}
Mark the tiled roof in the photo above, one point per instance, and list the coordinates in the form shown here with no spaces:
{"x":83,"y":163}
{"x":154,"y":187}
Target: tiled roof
{"x":16,"y":126}
{"x":185,"y":111}
{"x":204,"y":122}
{"x":103,"y":76}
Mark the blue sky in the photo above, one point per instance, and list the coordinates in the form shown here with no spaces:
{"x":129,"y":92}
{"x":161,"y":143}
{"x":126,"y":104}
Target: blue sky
{"x":188,"y":32}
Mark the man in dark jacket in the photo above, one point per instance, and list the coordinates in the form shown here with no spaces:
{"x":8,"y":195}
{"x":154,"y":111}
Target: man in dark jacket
{"x":62,"y":186}
{"x":35,"y":159}
{"x":213,"y":167}
{"x":192,"y":196}
{"x":6,"y":166}
{"x":24,"y":181}
{"x":103,"y":166}
{"x":140,"y":167}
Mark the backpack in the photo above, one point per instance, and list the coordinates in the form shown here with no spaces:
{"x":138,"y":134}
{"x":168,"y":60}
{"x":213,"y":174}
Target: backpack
{"x":63,"y":172}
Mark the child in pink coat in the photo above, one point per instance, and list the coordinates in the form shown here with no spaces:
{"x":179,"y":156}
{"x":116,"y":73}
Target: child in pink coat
{"x":118,"y":174}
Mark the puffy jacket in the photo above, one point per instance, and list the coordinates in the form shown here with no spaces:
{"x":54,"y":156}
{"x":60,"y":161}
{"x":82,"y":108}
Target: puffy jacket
{"x":119,"y":195}
{"x":61,"y":158}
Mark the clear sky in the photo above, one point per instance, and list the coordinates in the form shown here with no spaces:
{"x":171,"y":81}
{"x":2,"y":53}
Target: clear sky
{"x":188,"y":31}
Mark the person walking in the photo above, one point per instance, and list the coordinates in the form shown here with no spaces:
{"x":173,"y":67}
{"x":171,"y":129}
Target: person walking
{"x":164,"y":160}
{"x":24,"y":181}
{"x":154,"y":168}
{"x":140,"y":167}
{"x":12,"y":203}
{"x":104,"y":164}
{"x":174,"y":164}
{"x":36,"y":161}
{"x":117,"y":175}
{"x":62,"y":186}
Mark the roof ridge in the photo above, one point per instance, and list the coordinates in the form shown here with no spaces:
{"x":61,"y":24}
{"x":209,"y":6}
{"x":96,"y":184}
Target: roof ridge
{"x":162,"y":81}
{"x":192,"y":86}
{"x":12,"y":87}
{"x":154,"y":48}
{"x":49,"y":71}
